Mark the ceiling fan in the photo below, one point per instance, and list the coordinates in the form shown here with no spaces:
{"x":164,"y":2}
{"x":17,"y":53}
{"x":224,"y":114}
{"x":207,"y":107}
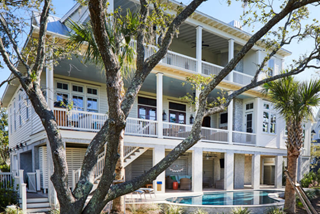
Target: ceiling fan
{"x":207,"y":156}
{"x":203,"y":45}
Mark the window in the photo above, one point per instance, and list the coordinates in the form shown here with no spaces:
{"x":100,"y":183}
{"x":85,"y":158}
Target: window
{"x":20,"y":118}
{"x":269,"y":120}
{"x":63,"y":86}
{"x":249,"y":106}
{"x":77,"y":88}
{"x":270,"y":67}
{"x":147,"y":108}
{"x":78,"y":103}
{"x":62,"y":100}
{"x":92,"y":91}
{"x":14,"y":116}
{"x":92,"y":105}
{"x":10,"y":120}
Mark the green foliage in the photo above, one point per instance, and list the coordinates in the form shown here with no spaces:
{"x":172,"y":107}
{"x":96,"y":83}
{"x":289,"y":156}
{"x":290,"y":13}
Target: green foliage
{"x":200,"y":211}
{"x":55,"y":211}
{"x":8,"y":197}
{"x":143,"y":208}
{"x":310,"y":179}
{"x":240,"y":210}
{"x":276,"y":210}
{"x":172,"y":209}
{"x":4,"y":139}
{"x":4,"y":168}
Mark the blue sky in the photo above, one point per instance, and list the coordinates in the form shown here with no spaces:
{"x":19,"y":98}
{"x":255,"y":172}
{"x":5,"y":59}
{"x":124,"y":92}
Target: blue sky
{"x":219,"y":10}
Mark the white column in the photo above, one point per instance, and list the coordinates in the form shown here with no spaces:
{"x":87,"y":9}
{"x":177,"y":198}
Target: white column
{"x":230,"y":120}
{"x":110,"y":6}
{"x":278,"y":171}
{"x":199,"y":49}
{"x":197,"y":166}
{"x":258,"y":117}
{"x":49,"y":80}
{"x":23,"y":196}
{"x":52,"y":194}
{"x":259,"y":61}
{"x":230,"y":57}
{"x":255,"y":175}
{"x":160,"y":104}
{"x":38,"y":180}
{"x":228,"y":170}
{"x":158,"y":155}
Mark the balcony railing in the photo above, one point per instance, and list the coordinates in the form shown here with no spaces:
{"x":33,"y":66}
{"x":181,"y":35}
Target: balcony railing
{"x":90,"y":121}
{"x":241,"y":78}
{"x":243,"y":138}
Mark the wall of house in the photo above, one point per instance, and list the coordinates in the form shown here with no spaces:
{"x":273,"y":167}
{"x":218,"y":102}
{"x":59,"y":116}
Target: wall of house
{"x":239,"y":166}
{"x":247,"y":170}
{"x":208,"y":171}
{"x":139,"y":165}
{"x":237,"y":114}
{"x":250,"y":63}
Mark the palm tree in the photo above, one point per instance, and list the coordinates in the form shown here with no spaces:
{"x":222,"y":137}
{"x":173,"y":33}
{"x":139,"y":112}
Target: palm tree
{"x":120,"y":33}
{"x":294,"y":101}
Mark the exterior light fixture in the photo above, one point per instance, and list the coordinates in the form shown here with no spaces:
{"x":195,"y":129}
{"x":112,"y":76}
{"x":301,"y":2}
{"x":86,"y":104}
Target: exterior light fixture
{"x":191,"y":119}
{"x":164,"y":116}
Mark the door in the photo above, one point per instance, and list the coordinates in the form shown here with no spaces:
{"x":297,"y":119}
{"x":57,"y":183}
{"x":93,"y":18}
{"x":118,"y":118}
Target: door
{"x":249,"y":122}
{"x":206,"y":122}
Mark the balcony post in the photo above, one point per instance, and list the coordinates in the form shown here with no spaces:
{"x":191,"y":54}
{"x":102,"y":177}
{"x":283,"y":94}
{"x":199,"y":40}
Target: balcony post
{"x":230,"y":120}
{"x":259,"y":61}
{"x":230,"y":56}
{"x":159,"y":104}
{"x":255,"y":174}
{"x":197,"y":169}
{"x":258,"y":116}
{"x":199,"y":49}
{"x":49,"y":80}
{"x":278,"y":171}
{"x":228,"y":170}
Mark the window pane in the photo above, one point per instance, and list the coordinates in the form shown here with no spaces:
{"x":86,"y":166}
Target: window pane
{"x":152,"y":114}
{"x":92,"y":105}
{"x":142,"y":113}
{"x":273,"y":123}
{"x":77,"y":102}
{"x":265,"y":123}
{"x":182,"y":118}
{"x":172,"y":118}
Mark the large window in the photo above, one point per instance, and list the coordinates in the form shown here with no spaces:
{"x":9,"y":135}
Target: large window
{"x":78,"y":103}
{"x":147,"y":108}
{"x":92,"y":104}
{"x":269,"y":119}
{"x":270,"y":67}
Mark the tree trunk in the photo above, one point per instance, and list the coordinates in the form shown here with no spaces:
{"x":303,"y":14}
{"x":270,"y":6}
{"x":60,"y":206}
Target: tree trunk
{"x":290,"y":193}
{"x":118,"y":203}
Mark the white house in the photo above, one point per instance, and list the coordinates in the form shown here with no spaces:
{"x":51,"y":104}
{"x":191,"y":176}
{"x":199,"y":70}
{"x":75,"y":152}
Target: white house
{"x":243,"y":146}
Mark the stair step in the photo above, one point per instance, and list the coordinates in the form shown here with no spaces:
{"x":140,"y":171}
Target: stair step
{"x":38,"y":205}
{"x":38,"y":210}
{"x":37,"y":200}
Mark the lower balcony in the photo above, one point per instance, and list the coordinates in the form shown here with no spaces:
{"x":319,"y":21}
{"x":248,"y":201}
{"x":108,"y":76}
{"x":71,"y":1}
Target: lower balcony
{"x":92,"y":122}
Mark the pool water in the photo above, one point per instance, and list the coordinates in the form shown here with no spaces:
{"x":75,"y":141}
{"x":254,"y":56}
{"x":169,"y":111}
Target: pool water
{"x":227,"y":198}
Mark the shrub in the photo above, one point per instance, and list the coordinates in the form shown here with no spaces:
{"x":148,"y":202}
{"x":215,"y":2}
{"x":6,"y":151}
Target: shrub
{"x":4,"y":168}
{"x":143,"y":208}
{"x":240,"y":210}
{"x":12,"y":210}
{"x":8,"y":197}
{"x":276,"y":210}
{"x":200,"y":211}
{"x":172,"y":209}
{"x":309,"y":180}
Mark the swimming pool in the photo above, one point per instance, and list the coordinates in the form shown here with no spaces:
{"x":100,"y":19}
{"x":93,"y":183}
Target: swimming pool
{"x":227,"y":198}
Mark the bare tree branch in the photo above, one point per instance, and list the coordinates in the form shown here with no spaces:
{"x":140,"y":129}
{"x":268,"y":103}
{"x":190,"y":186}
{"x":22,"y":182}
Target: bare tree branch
{"x":7,"y":80}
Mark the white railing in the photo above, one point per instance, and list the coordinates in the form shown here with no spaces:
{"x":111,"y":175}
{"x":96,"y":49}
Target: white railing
{"x":180,"y":60}
{"x":98,"y":170}
{"x":128,"y":150}
{"x":176,"y":130}
{"x":6,"y":180}
{"x":80,"y":120}
{"x":210,"y":69}
{"x":241,"y":78}
{"x":243,"y":138}
{"x":141,"y":127}
{"x":216,"y":135}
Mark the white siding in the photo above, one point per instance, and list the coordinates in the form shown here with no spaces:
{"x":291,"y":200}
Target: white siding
{"x":43,"y":165}
{"x":74,"y":160}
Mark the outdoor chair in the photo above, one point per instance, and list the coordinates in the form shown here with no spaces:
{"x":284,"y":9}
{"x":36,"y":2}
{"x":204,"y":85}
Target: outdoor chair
{"x":185,"y":183}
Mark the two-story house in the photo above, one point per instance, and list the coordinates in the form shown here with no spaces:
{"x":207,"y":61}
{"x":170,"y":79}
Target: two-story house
{"x":241,"y":147}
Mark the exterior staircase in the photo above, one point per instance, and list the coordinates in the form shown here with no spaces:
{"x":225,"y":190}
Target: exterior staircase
{"x":130,"y":154}
{"x":38,"y":205}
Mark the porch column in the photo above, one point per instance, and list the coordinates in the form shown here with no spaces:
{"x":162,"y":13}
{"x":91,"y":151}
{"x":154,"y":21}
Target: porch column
{"x":158,"y":155}
{"x":52,"y":194}
{"x":258,"y":126}
{"x":278,"y":171}
{"x":230,"y":56}
{"x":197,"y":169}
{"x":49,"y":80}
{"x":259,"y":60}
{"x":230,"y":120}
{"x":159,"y":104}
{"x":239,"y":169}
{"x":255,"y":175}
{"x":199,"y":49}
{"x":228,"y":170}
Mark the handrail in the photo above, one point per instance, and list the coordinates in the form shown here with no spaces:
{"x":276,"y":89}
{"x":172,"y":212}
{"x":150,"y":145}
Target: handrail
{"x":212,"y":64}
{"x":182,"y":55}
{"x":247,"y":75}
